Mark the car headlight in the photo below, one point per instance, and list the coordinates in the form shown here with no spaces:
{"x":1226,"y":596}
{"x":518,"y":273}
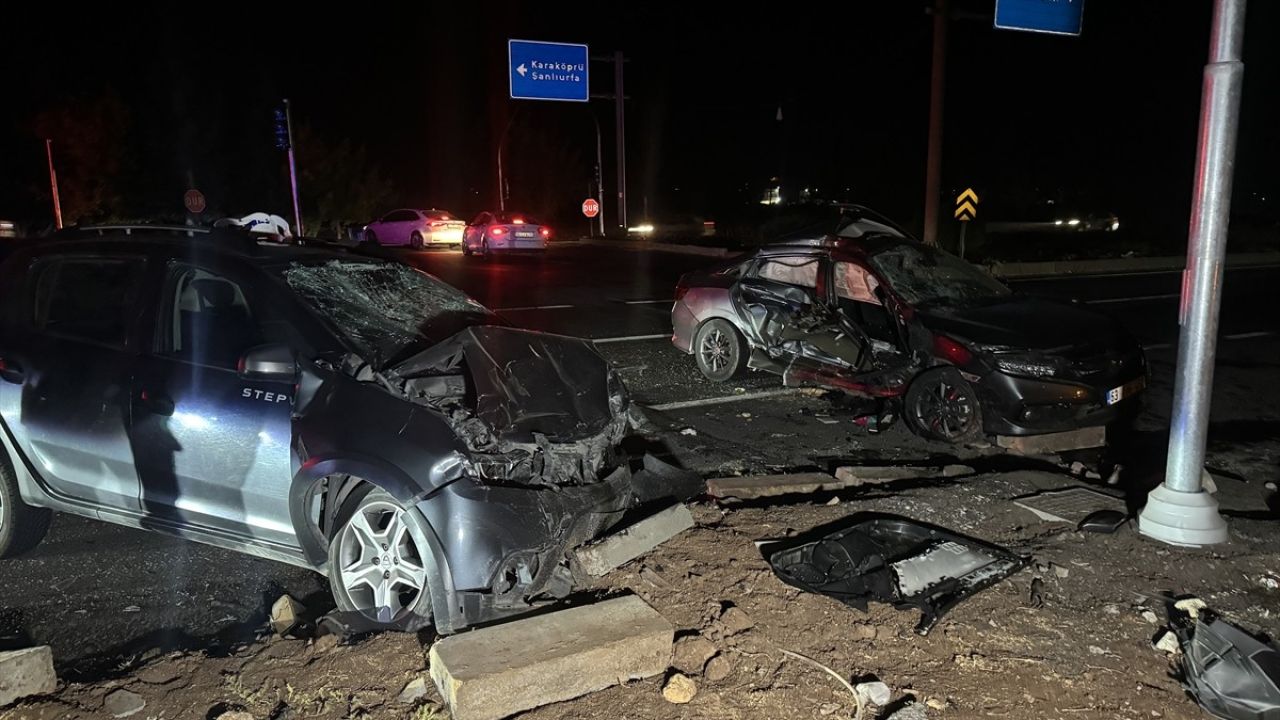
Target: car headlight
{"x":1027,"y":366}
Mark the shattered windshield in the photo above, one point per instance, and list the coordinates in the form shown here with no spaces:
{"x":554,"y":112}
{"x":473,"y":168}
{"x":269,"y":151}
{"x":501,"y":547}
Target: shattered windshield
{"x":927,"y":276}
{"x":386,"y":310}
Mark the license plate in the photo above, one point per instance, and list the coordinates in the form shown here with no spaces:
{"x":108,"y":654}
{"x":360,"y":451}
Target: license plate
{"x":525,"y":234}
{"x":1128,"y":389}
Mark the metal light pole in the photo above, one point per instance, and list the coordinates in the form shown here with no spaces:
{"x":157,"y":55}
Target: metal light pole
{"x":293,"y":170}
{"x":937,"y":88}
{"x":502,"y":143}
{"x":1179,"y":512}
{"x":599,"y":172}
{"x":53,"y":185}
{"x":620,"y":110}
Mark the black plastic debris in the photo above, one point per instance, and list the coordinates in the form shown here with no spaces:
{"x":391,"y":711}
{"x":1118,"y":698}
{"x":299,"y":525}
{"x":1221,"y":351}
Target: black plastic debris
{"x":1232,"y":674}
{"x":891,"y":559}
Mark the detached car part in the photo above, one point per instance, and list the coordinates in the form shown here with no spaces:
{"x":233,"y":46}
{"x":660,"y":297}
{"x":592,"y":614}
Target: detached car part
{"x":892,"y":559}
{"x":1229,"y":672}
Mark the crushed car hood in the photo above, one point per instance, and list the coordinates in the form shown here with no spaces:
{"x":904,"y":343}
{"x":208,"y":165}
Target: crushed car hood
{"x":1027,"y":322}
{"x":523,"y":382}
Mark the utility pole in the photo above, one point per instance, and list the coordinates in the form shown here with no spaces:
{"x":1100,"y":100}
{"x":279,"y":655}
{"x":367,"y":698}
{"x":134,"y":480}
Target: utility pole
{"x":599,"y":172}
{"x":1179,"y":511}
{"x":53,"y":185}
{"x":620,"y":109}
{"x":937,"y":92}
{"x":293,"y":169}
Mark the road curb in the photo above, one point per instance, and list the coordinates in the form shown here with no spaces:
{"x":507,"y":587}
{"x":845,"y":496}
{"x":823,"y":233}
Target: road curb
{"x":1114,"y":266}
{"x":659,"y":247}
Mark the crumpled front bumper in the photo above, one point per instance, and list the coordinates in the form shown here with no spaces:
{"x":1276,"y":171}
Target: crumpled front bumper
{"x":1027,"y":406}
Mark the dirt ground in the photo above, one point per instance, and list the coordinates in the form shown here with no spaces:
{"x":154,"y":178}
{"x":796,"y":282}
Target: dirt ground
{"x":1086,"y":652}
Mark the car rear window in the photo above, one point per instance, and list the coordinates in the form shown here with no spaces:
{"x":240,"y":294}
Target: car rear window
{"x":515,"y":218}
{"x":439,"y":215}
{"x":90,"y":299}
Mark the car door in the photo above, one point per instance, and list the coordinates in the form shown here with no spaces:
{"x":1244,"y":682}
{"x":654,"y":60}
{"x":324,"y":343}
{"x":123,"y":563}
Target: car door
{"x":475,"y":230}
{"x":68,"y":358}
{"x":212,"y":449}
{"x":400,"y":224}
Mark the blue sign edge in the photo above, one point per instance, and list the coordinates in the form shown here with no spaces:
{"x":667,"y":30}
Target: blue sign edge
{"x":996,"y":24}
{"x":511,"y":91}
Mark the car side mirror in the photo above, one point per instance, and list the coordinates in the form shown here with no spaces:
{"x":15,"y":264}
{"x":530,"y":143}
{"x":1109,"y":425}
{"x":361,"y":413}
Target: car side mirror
{"x":274,"y":362}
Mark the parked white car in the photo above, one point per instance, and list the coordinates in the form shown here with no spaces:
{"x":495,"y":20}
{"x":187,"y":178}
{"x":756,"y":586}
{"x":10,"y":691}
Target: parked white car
{"x":415,"y":228}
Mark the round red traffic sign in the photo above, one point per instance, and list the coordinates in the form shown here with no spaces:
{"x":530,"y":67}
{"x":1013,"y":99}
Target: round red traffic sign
{"x":194,"y":201}
{"x":590,"y":207}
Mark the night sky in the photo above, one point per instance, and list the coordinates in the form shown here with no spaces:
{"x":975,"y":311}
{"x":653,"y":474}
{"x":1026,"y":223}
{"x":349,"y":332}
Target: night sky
{"x":1109,"y":117}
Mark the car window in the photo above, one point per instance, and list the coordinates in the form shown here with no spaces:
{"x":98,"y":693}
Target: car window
{"x":206,"y":319}
{"x":923,"y":275}
{"x":481,"y":219}
{"x":798,"y":271}
{"x":516,"y":218}
{"x":88,"y":299}
{"x":854,"y":282}
{"x":401,"y":216}
{"x":439,"y":215}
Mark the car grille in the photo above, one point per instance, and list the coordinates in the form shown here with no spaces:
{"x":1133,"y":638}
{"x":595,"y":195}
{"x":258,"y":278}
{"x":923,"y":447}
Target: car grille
{"x":1106,"y":365}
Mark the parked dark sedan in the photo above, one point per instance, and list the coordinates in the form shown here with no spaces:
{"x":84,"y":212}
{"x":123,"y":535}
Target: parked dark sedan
{"x":348,"y":415}
{"x":859,"y":305}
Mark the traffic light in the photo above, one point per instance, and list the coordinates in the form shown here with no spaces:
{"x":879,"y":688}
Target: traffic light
{"x":282,"y":130}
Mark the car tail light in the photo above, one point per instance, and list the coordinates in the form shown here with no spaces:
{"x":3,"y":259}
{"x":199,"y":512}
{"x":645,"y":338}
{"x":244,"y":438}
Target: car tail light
{"x":517,"y":221}
{"x":497,"y":230}
{"x":544,"y":232}
{"x":951,"y":350}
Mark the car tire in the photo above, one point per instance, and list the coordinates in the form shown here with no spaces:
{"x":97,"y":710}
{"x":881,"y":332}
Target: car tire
{"x":415,"y":240}
{"x":484,"y":250}
{"x":720,"y":350}
{"x":942,"y":405}
{"x":22,"y":526}
{"x":371,"y":238}
{"x":377,"y":555}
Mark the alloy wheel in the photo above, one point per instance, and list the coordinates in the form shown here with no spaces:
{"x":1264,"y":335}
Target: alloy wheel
{"x":946,"y":409}
{"x":715,"y":350}
{"x":381,"y":566}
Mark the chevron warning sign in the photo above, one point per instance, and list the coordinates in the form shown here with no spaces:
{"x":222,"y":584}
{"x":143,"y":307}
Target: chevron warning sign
{"x":967,"y":205}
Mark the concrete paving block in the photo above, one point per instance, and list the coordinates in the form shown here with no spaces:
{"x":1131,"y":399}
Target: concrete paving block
{"x":1081,"y":439}
{"x":855,"y":475}
{"x":750,"y":487}
{"x":598,"y":558}
{"x":505,"y":669}
{"x":26,"y":672}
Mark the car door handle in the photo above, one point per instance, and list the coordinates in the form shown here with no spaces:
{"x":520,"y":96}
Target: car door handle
{"x":11,"y":371}
{"x":156,"y":402}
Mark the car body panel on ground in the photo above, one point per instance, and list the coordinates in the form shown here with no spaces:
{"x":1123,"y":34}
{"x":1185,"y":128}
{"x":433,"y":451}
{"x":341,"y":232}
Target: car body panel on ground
{"x":860,"y":306}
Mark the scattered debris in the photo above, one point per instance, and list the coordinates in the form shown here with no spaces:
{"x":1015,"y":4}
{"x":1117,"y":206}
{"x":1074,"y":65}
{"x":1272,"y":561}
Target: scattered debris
{"x":1270,"y":486}
{"x":1150,"y":617}
{"x":413,"y":691}
{"x":236,"y":715}
{"x":1103,"y":521}
{"x":1061,"y":572}
{"x":691,"y":432}
{"x":1111,"y":609}
{"x":285,"y":614}
{"x":1229,"y":672}
{"x":876,"y":693}
{"x":1035,"y":598}
{"x":857,"y":715}
{"x":26,"y":672}
{"x":326,"y":642}
{"x":1191,"y":606}
{"x":718,"y":668}
{"x":1069,"y":505}
{"x":1207,"y":483}
{"x":1167,"y":642}
{"x":855,"y":475}
{"x":746,"y":415}
{"x":734,"y":620}
{"x":123,"y":703}
{"x":501,"y":670}
{"x":910,"y":711}
{"x":1269,"y":582}
{"x":750,"y":487}
{"x":654,"y":578}
{"x":1114,"y":477}
{"x":936,"y":703}
{"x":892,"y":559}
{"x":1081,"y":439}
{"x":607,"y":553}
{"x":679,"y":689}
{"x":833,"y":501}
{"x":826,"y":709}
{"x":692,"y":653}
{"x":132,"y":609}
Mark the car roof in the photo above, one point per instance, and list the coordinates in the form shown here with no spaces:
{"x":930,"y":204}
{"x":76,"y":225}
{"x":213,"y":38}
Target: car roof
{"x":230,"y":241}
{"x":859,"y":247}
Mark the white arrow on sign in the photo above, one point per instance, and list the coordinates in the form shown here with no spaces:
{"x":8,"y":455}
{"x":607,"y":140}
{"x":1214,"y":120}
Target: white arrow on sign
{"x":522,"y":69}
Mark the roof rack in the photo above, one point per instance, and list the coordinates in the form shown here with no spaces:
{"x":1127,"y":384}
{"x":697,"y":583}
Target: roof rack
{"x":129,"y":229}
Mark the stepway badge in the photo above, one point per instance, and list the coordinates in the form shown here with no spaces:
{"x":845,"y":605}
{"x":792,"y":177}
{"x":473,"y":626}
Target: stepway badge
{"x":548,"y":71}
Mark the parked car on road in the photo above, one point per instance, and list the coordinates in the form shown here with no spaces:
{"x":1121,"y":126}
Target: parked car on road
{"x":492,"y":233}
{"x":856,"y":304}
{"x":415,"y":228}
{"x":345,"y":414}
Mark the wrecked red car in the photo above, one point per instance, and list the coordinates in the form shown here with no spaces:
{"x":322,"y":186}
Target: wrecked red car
{"x":856,"y":304}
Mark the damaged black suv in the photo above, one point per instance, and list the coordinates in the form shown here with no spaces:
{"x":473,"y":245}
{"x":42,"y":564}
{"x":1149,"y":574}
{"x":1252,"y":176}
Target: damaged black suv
{"x":339,"y":413}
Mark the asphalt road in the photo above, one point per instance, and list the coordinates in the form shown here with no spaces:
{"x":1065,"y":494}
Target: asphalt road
{"x":98,"y":592}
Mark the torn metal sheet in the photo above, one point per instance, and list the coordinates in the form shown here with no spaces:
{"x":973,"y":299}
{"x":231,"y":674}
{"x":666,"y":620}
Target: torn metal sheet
{"x":1232,"y":674}
{"x":892,"y":559}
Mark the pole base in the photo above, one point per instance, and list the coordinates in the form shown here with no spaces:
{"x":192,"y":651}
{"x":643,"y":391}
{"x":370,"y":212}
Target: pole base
{"x":1182,"y":518}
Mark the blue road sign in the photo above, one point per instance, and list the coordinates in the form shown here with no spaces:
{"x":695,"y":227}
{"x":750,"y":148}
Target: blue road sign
{"x":1058,"y":17}
{"x":548,"y":71}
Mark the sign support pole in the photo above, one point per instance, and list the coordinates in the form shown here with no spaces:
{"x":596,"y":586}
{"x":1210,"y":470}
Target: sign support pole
{"x":293,"y":170}
{"x":53,"y":185}
{"x":937,"y":93}
{"x":1179,"y":511}
{"x":621,"y":113}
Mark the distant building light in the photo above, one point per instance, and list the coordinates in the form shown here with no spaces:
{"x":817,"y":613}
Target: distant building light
{"x":1115,"y":225}
{"x":1073,"y":222}
{"x":642,"y":229}
{"x":1057,"y":222}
